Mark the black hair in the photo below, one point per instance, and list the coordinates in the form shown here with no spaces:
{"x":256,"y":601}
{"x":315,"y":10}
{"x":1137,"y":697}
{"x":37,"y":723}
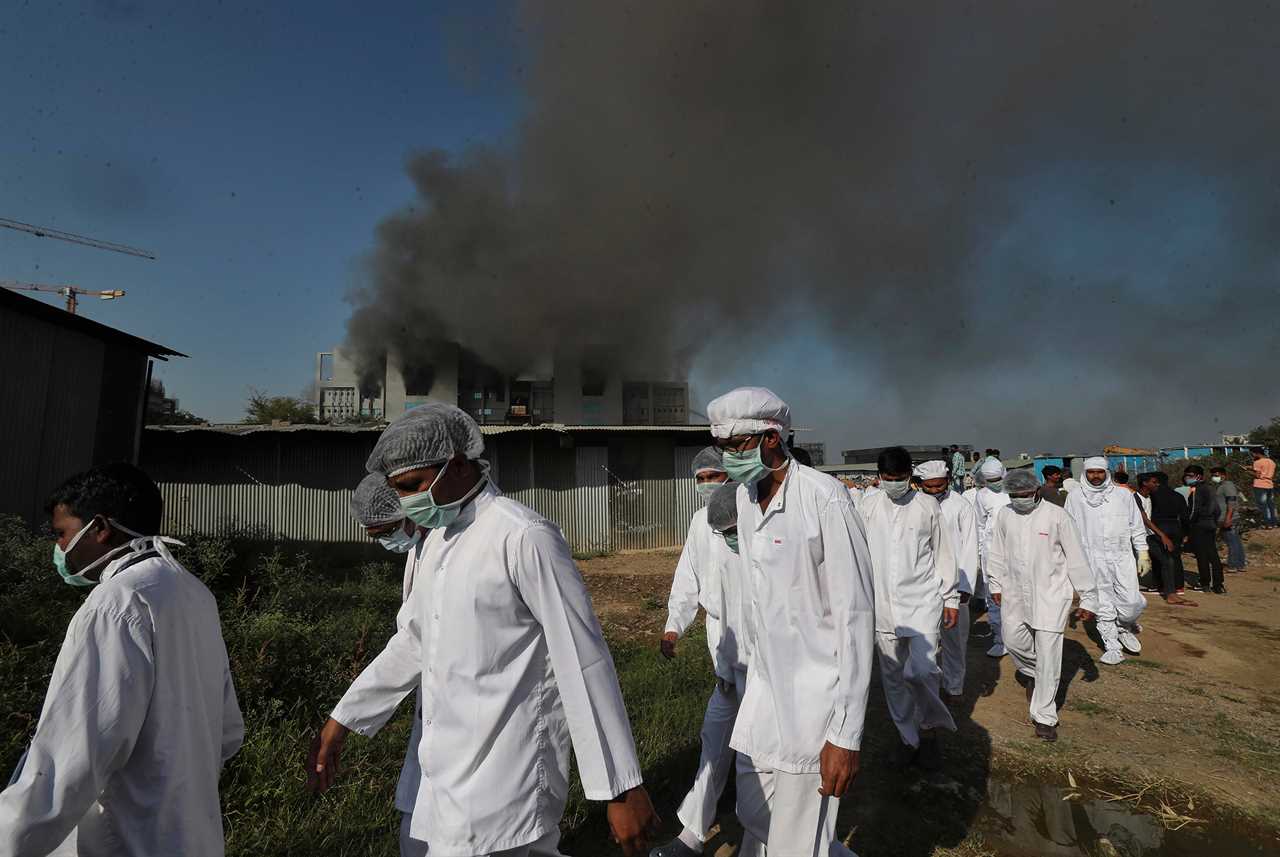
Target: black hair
{"x":1050,"y":470}
{"x":995,"y":453}
{"x":1194,"y":469}
{"x":1218,"y":469}
{"x":118,"y":491}
{"x":1151,"y":474}
{"x":801,"y":455}
{"x":1162,"y":477}
{"x":894,"y":460}
{"x":1120,"y":477}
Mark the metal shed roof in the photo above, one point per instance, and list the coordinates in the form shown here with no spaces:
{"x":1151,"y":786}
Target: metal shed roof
{"x":87,"y":326}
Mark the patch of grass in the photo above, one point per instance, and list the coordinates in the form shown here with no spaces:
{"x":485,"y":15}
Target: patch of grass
{"x":592,"y":553}
{"x":1147,"y":664}
{"x":652,"y":602}
{"x":1274,"y":578}
{"x":1195,"y":690}
{"x":1089,"y":707}
{"x":1248,"y":747}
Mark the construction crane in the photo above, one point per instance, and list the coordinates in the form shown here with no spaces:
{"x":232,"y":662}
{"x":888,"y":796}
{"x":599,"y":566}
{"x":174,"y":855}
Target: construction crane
{"x":46,"y":232}
{"x":68,"y":292}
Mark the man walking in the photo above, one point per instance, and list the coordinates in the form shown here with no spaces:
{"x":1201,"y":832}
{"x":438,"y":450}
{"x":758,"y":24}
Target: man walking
{"x":1228,"y":512}
{"x":808,"y":608}
{"x":988,"y":500}
{"x":1169,"y":520}
{"x":1202,"y":535}
{"x":957,"y":469}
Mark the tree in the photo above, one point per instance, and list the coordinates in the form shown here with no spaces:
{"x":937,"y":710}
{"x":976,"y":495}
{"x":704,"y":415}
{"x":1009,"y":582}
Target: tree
{"x":263,"y":409}
{"x":1268,"y":436}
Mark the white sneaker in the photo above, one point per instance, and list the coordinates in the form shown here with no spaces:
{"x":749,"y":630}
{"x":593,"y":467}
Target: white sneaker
{"x":1130,"y":642}
{"x":1111,"y":657}
{"x":997,"y":651}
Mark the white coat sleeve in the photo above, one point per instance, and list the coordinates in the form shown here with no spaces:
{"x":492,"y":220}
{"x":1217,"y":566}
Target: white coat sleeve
{"x":944,"y":559}
{"x":1137,"y":529}
{"x":850,"y":593}
{"x":553,"y":590}
{"x":1076,"y":564}
{"x":967,"y":550}
{"x":397,"y":670}
{"x":682,"y":605}
{"x":93,"y":712}
{"x":997,"y":565}
{"x":232,"y":721}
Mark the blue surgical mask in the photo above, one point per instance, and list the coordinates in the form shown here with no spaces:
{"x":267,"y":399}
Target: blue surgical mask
{"x":77,"y":578}
{"x":746,"y":466}
{"x":996,"y":485}
{"x":399,"y":541}
{"x":422,"y":508}
{"x":731,"y":539}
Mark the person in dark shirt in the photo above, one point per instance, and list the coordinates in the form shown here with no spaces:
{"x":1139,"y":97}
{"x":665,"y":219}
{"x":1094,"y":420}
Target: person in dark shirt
{"x":1052,"y":488}
{"x":1202,"y":534}
{"x":1168,"y":518}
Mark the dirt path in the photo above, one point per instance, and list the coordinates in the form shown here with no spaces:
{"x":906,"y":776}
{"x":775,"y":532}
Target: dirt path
{"x":1196,"y":716}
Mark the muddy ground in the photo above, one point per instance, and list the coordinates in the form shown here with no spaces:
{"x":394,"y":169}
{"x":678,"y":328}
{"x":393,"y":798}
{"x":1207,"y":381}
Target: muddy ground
{"x":1190,"y":729}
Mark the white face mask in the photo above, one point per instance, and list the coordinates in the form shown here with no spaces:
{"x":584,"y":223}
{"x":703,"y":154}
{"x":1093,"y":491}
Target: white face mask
{"x":1217,"y":479}
{"x":399,"y":541}
{"x":895,"y":490}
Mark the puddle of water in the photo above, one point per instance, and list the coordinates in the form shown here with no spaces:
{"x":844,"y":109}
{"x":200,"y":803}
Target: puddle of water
{"x":1030,"y":820}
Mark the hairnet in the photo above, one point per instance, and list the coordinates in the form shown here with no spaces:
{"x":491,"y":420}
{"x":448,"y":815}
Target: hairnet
{"x":1097,"y":462}
{"x":374,"y":503}
{"x":708,"y":459}
{"x":1022,"y":479}
{"x":426,"y":435}
{"x":931,"y":470}
{"x":722,"y":508}
{"x":992,"y":469}
{"x":748,"y":410}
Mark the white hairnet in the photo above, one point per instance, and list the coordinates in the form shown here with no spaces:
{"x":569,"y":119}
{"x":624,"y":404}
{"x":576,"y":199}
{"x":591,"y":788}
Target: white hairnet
{"x":374,"y":503}
{"x":1022,"y":479}
{"x":722,"y":508}
{"x":1096,"y":462}
{"x":708,"y":459}
{"x":426,"y":435}
{"x":748,"y":410}
{"x":931,"y":470}
{"x":991,"y":469}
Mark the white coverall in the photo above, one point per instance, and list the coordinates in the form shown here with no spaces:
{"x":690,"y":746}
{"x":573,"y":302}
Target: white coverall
{"x":138,"y":720}
{"x":1111,"y":529}
{"x":499,"y":635}
{"x":915,"y":577}
{"x":708,"y":573}
{"x":962,"y":519}
{"x":808,"y":605}
{"x":985,"y":505}
{"x":410,"y":772}
{"x":1036,"y":563}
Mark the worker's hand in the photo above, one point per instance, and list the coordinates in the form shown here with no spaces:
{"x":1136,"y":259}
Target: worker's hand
{"x":633,"y":820}
{"x":995,"y":596}
{"x":668,"y":644}
{"x":839,"y":767}
{"x":1167,"y":542}
{"x":1084,"y":615}
{"x":1144,"y":562}
{"x":950,"y":616}
{"x":322,"y":761}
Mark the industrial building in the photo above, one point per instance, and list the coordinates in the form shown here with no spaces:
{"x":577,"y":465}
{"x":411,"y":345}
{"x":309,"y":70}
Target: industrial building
{"x":74,"y":393}
{"x":565,"y":391}
{"x":607,"y":487}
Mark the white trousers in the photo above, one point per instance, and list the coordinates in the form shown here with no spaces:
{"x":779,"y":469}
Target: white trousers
{"x":1119,"y":599}
{"x":547,"y":846}
{"x":1038,"y":655}
{"x":911,"y":677}
{"x":955,"y":645}
{"x":698,"y":810}
{"x":783,"y":815}
{"x":993,"y":620}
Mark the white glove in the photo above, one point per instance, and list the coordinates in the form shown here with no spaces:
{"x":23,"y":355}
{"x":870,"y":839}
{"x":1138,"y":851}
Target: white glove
{"x":1144,"y":562}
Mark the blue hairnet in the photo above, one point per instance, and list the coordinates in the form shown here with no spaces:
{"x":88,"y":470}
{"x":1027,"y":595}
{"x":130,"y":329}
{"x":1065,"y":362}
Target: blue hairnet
{"x":708,"y":459}
{"x":427,"y":435}
{"x":374,"y":503}
{"x":722,"y":508}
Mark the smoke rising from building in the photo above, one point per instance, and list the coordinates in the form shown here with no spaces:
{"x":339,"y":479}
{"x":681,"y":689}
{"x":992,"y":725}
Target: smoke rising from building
{"x":948,"y":195}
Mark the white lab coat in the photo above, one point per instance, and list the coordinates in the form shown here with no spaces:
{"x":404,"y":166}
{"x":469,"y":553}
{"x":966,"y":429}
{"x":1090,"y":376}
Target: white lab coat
{"x":962,"y":519}
{"x":708,"y":574}
{"x":808,"y":607}
{"x":1036,"y":563}
{"x":1110,"y":533}
{"x":140,"y":716}
{"x":913,"y":563}
{"x":410,"y":770}
{"x":985,"y":505}
{"x":499,"y":634}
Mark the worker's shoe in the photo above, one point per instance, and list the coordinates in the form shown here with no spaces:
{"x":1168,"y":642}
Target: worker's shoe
{"x":1219,"y":590}
{"x":997,"y":651}
{"x":930,"y":753}
{"x":1111,"y":657}
{"x":952,"y":700}
{"x":905,"y":755}
{"x":1129,"y":642}
{"x":674,"y":848}
{"x":1046,"y":732}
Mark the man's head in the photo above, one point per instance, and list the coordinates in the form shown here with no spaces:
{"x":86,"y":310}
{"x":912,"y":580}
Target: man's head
{"x":1120,"y":477}
{"x":934,"y":480}
{"x":432,"y":448}
{"x":802,"y":456}
{"x":1218,"y":474}
{"x":748,"y":425}
{"x":722,"y":513}
{"x":992,"y":473}
{"x":894,"y":467}
{"x":708,"y":467}
{"x":102,"y":503}
{"x":1256,"y":453}
{"x":1148,"y":483}
{"x":1096,"y":471}
{"x":376,"y":507}
{"x":1052,"y":475}
{"x":1023,"y":489}
{"x":955,"y":448}
{"x":1192,"y":474}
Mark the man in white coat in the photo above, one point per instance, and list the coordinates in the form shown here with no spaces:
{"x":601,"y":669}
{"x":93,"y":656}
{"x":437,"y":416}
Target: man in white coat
{"x":1035,"y":564}
{"x":961,"y":520}
{"x":1110,"y":526}
{"x":988,"y":500}
{"x":141,"y":712}
{"x":377,"y":508}
{"x":707,"y":575}
{"x":808,"y":610}
{"x":917,"y":595}
{"x":499,"y":636}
